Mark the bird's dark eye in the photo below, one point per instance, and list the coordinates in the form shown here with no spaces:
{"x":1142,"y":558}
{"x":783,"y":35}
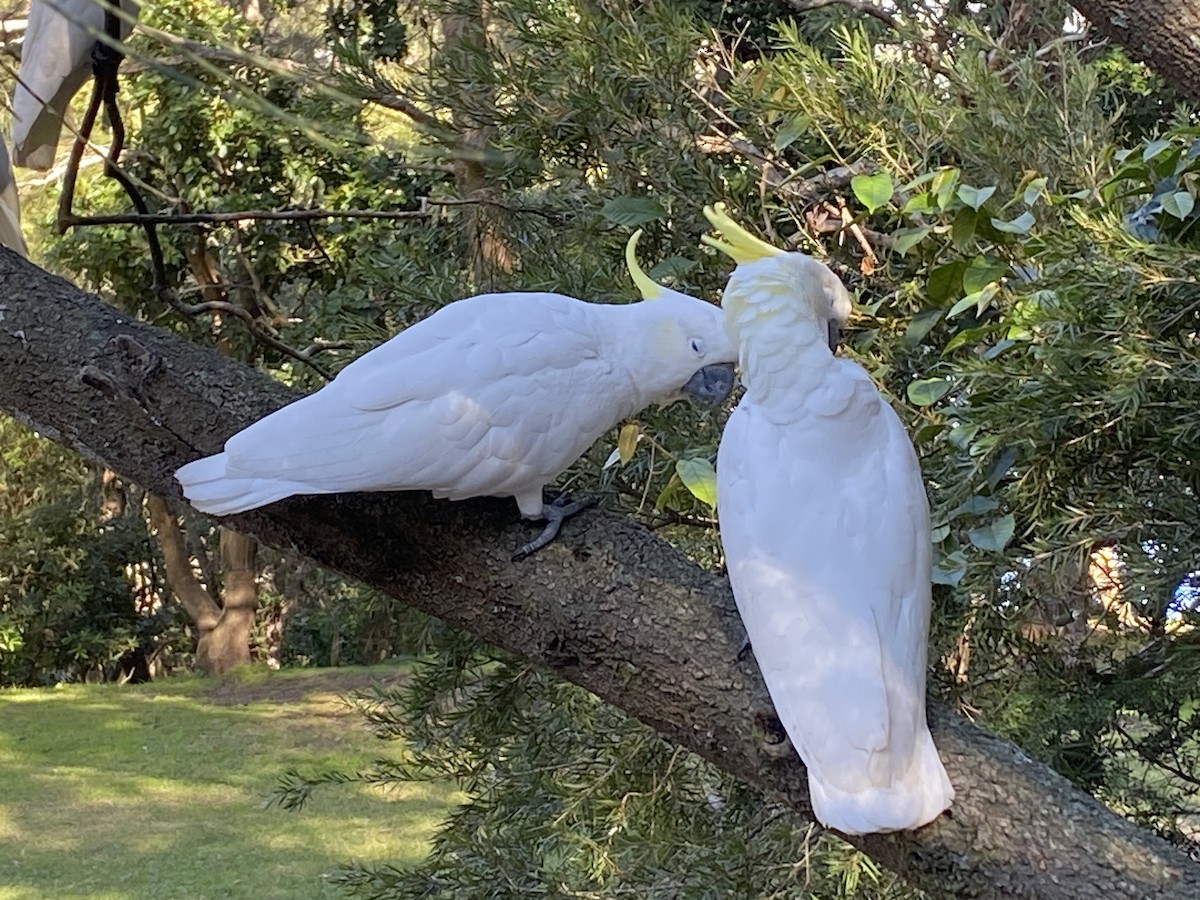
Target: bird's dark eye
{"x":697,"y":347}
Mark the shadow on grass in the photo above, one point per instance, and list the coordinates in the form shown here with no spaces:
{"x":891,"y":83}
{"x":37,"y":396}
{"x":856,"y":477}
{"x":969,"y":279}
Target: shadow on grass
{"x":159,"y":791}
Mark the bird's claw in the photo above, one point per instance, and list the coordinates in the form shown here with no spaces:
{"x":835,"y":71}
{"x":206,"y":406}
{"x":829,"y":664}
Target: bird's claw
{"x":555,"y":513}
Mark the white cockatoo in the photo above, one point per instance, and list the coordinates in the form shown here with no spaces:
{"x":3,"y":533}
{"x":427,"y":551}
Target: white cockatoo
{"x":10,"y":207}
{"x":494,"y":395}
{"x":56,"y":61}
{"x":825,"y":525}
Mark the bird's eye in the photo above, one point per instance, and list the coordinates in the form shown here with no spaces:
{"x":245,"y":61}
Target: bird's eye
{"x":697,"y":347}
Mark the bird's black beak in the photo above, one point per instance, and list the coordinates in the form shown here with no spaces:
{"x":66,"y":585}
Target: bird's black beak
{"x":835,"y":335}
{"x":712,"y":384}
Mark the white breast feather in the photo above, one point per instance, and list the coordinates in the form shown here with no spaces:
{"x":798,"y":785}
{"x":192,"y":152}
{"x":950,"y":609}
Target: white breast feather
{"x":825,"y":525}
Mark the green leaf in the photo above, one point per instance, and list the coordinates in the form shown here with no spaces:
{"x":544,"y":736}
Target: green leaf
{"x":872,"y":191}
{"x":633,"y":211}
{"x":920,"y":326}
{"x":927,"y":433}
{"x":943,"y":185}
{"x":939,"y":534}
{"x":974,"y":506}
{"x":1003,"y":464}
{"x":968,"y":336}
{"x":963,"y":228}
{"x":793,"y":129}
{"x":699,"y":477}
{"x":949,"y":569}
{"x":907,"y":238}
{"x":945,"y":281}
{"x":1179,"y":204}
{"x":1154,"y":148}
{"x":993,"y":536}
{"x":975,"y":197}
{"x":1033,"y":190}
{"x":1020,"y":225}
{"x":981,"y":272}
{"x":672,"y":267}
{"x":920,"y":203}
{"x":927,"y":391}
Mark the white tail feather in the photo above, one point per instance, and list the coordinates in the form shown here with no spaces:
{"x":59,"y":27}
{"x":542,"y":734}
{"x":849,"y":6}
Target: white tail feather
{"x":209,"y":490}
{"x":915,"y":800}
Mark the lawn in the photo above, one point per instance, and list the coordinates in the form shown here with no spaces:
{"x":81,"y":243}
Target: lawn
{"x":114,"y":792}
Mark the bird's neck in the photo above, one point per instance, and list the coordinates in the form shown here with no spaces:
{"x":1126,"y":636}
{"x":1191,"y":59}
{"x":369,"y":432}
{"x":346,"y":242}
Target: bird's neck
{"x":783,"y":350}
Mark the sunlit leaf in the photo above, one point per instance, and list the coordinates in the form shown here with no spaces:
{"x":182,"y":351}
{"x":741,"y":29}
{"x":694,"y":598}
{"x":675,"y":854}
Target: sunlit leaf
{"x":700,"y":478}
{"x":872,"y":191}
{"x":1020,"y":225}
{"x":975,"y":197}
{"x":627,"y":441}
{"x":927,"y":391}
{"x":1179,"y":204}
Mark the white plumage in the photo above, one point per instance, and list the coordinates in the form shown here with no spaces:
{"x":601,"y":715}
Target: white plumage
{"x":825,"y":524}
{"x":10,"y":207}
{"x":494,"y":395}
{"x":56,"y":60}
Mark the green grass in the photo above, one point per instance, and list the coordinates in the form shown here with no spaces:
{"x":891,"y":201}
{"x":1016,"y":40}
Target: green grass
{"x":124,"y":793}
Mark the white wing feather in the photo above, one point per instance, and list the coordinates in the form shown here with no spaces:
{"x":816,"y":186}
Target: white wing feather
{"x":10,"y":207}
{"x":470,"y":403}
{"x":825,"y":524}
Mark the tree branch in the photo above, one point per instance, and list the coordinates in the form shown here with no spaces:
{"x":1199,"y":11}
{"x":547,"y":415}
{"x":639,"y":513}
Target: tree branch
{"x":609,"y":606}
{"x":1160,"y":33}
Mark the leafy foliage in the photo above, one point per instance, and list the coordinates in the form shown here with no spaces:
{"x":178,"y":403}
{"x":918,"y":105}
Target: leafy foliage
{"x":66,"y":601}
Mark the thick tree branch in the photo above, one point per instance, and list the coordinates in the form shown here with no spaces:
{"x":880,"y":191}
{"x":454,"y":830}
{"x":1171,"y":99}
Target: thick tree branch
{"x":183,"y":582}
{"x":609,"y":606}
{"x":1164,"y":34}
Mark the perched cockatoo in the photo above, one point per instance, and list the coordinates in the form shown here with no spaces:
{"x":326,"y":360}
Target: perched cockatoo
{"x":825,"y":525}
{"x":56,"y":61}
{"x":494,"y":395}
{"x":10,"y":207}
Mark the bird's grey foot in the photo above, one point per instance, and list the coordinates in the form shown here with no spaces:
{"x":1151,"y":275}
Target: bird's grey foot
{"x":555,"y":513}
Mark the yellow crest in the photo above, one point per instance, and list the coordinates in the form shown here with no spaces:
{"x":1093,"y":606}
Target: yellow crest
{"x":738,"y":243}
{"x":647,"y":286}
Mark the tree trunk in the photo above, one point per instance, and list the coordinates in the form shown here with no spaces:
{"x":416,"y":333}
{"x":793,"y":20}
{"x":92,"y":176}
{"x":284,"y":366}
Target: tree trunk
{"x":227,"y":644}
{"x":608,"y":606}
{"x":195,"y":600}
{"x":466,"y":36}
{"x":1164,"y":34}
{"x":223,"y":630}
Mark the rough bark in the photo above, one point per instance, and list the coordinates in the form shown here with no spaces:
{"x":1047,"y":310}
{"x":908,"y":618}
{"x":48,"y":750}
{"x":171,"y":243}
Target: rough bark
{"x":1164,"y":34}
{"x":608,"y":606}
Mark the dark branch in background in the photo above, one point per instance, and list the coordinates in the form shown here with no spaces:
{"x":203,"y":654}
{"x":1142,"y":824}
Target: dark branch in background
{"x":293,"y":215}
{"x":609,"y":607}
{"x":106,"y":61}
{"x":860,"y":6}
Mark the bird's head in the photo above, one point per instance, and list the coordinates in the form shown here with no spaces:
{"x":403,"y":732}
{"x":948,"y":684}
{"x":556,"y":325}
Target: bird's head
{"x":768,"y":280}
{"x":684,"y":348}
